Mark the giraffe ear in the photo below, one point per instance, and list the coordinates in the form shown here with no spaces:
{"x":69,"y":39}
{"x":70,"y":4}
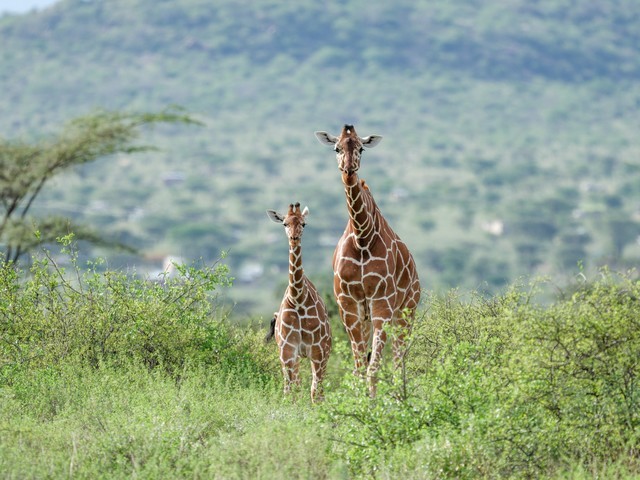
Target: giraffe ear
{"x":275,"y":216}
{"x":326,"y":138}
{"x":371,"y":141}
{"x":305,"y":212}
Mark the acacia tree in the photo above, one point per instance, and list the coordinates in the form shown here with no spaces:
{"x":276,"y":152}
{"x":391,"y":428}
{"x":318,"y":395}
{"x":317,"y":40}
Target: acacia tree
{"x":25,"y":169}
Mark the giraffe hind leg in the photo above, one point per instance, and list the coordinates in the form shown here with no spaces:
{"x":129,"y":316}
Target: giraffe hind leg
{"x":318,"y":369}
{"x":290,"y":368}
{"x":366,"y":334}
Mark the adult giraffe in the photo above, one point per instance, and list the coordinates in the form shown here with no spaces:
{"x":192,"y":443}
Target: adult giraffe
{"x":301,"y":325}
{"x":375,"y":279}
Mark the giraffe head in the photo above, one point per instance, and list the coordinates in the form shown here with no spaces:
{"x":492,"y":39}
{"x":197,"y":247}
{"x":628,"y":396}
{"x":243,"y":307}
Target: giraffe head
{"x":293,"y":221}
{"x":348,"y":147}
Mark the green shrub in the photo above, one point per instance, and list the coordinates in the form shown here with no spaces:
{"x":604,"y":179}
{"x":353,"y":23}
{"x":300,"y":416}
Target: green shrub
{"x":503,"y":387}
{"x":61,"y":314}
{"x":104,"y":374}
{"x":583,"y":367}
{"x":125,"y":421}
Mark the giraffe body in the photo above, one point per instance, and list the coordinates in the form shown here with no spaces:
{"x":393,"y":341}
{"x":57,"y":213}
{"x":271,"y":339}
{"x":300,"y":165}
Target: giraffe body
{"x":301,"y":325}
{"x":375,"y":278}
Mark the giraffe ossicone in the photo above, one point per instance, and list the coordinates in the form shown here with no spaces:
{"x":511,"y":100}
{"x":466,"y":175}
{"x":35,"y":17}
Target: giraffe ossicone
{"x":375,"y":283}
{"x":301,"y":325}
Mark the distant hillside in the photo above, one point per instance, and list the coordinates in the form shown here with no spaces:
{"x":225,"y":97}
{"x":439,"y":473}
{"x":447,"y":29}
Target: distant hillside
{"x":558,"y":39}
{"x":510,"y":128}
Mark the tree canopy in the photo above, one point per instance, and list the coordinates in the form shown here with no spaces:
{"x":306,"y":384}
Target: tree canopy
{"x":27,"y":167}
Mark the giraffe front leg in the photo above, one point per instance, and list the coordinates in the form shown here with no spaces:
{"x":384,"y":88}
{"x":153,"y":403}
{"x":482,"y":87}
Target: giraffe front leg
{"x":402,"y":329}
{"x":381,"y":316}
{"x":352,"y":315}
{"x":377,"y":346}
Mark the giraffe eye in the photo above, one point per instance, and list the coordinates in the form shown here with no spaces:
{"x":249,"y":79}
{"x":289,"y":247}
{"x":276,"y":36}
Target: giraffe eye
{"x":336,"y":148}
{"x":361,"y":149}
{"x":304,"y":225}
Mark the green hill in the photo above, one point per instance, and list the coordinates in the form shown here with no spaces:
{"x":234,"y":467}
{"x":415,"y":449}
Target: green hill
{"x":510,"y":129}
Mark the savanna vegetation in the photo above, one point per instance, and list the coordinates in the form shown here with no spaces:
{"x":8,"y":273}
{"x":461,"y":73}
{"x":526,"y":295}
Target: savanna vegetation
{"x":106,"y":376}
{"x":510,"y":151}
{"x":510,"y":130}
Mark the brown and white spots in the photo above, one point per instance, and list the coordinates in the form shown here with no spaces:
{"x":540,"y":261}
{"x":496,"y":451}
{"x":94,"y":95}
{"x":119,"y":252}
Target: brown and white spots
{"x":375,"y":278}
{"x":301,"y":325}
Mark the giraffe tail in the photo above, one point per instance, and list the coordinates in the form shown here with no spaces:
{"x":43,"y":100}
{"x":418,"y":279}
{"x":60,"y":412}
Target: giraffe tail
{"x":272,"y":328}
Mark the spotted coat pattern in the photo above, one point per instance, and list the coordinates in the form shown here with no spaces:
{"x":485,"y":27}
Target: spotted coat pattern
{"x":302,"y":326}
{"x":375,"y":278}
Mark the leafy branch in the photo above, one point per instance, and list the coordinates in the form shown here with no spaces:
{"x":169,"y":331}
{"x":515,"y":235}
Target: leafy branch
{"x":26,"y":168}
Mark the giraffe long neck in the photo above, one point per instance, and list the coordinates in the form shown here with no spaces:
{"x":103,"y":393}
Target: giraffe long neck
{"x":361,"y":208}
{"x":296,"y":274}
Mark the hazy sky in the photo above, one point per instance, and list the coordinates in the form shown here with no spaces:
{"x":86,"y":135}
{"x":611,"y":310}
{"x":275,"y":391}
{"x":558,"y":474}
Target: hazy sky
{"x":22,"y":6}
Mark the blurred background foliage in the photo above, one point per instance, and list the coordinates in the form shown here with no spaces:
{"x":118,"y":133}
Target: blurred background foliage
{"x":510,"y":130}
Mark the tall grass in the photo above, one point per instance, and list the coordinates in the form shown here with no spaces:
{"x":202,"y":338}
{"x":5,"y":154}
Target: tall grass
{"x":107,"y":376}
{"x":125,"y":421}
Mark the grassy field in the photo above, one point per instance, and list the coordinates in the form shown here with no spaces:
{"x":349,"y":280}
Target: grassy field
{"x":104,"y":376}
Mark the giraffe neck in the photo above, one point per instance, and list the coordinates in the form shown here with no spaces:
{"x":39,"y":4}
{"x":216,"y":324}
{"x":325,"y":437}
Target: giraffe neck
{"x":296,"y":274}
{"x":361,"y":208}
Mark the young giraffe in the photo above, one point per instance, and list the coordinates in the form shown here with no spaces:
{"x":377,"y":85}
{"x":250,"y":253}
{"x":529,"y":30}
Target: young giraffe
{"x":301,"y":326}
{"x":375,"y":278}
